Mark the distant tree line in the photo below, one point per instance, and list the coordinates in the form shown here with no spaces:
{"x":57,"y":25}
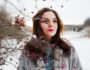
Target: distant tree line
{"x":86,"y":23}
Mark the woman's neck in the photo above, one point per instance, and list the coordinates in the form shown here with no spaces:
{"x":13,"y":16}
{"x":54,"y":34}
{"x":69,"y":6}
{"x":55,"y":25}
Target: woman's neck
{"x":47,"y":38}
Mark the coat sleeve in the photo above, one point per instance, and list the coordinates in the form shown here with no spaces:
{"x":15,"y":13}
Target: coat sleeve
{"x":21,"y":65}
{"x":76,"y":65}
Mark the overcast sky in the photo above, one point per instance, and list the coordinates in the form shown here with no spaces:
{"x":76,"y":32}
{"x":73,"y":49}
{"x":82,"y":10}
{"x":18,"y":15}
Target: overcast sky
{"x":73,"y":12}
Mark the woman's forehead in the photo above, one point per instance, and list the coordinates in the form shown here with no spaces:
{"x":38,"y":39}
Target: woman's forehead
{"x":48,"y":14}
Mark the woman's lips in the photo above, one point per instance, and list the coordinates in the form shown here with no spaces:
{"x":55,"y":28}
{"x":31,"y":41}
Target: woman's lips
{"x":50,"y":30}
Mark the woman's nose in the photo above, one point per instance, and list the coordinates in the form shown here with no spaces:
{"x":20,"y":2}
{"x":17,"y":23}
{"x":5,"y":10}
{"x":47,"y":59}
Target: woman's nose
{"x":51,"y":23}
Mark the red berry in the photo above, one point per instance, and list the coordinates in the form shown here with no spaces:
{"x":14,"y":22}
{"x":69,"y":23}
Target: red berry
{"x":20,"y":59}
{"x":74,"y":67}
{"x":57,"y":47}
{"x":51,"y":7}
{"x":63,"y":65}
{"x":10,"y":59}
{"x":24,"y":9}
{"x":1,"y":58}
{"x":26,"y":53}
{"x":32,"y":12}
{"x":33,"y":54}
{"x":61,"y":6}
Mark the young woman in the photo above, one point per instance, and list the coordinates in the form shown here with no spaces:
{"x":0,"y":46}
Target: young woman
{"x":48,"y":51}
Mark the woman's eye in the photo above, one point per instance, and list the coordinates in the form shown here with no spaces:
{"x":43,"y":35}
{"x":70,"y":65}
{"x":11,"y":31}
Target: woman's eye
{"x":44,"y":21}
{"x":54,"y":21}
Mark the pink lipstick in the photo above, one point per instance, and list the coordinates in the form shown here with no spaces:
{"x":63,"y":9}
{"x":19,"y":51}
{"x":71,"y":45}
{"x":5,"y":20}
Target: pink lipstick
{"x":50,"y":30}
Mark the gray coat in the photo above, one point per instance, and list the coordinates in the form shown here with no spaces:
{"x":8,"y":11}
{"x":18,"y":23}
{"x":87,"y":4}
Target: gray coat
{"x":60,"y":62}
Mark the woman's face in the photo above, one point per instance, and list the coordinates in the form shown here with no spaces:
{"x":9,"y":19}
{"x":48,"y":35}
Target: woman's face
{"x":49,"y":24}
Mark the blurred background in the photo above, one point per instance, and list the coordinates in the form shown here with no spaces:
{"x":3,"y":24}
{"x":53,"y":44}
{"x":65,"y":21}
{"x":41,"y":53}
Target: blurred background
{"x":16,"y":27}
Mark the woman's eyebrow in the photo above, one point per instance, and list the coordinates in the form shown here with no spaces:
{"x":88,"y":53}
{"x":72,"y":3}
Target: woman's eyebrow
{"x":55,"y":18}
{"x":44,"y":18}
{"x":47,"y":18}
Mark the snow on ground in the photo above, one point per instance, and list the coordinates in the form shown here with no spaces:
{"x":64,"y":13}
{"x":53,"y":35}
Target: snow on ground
{"x":82,"y":45}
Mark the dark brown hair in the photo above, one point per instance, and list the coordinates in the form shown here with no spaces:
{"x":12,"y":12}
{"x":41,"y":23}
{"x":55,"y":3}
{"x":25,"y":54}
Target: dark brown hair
{"x":57,"y":40}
